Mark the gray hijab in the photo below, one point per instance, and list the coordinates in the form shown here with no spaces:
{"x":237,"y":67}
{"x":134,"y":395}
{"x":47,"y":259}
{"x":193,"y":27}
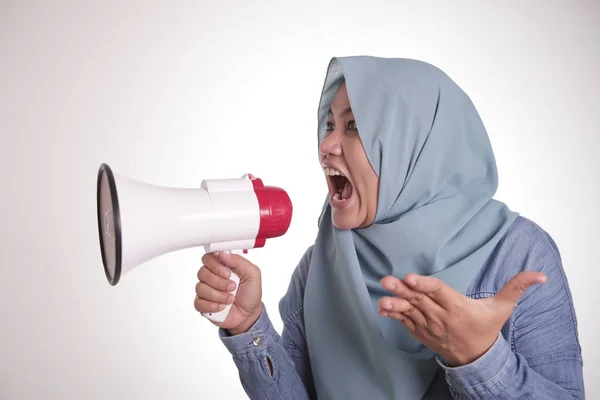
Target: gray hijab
{"x":435,"y":216}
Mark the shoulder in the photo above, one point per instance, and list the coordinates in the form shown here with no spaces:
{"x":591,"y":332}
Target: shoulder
{"x":525,"y":247}
{"x":528,"y":247}
{"x":543,"y":311}
{"x":291,"y":304}
{"x":527,"y":238}
{"x":532,"y":238}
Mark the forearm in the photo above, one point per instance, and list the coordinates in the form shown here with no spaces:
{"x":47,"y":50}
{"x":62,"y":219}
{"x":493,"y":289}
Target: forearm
{"x":504,"y":374}
{"x":265,"y":368}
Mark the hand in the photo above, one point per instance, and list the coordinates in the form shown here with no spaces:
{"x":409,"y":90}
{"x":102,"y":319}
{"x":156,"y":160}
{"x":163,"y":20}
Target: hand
{"x":455,"y":326}
{"x":214,"y":287}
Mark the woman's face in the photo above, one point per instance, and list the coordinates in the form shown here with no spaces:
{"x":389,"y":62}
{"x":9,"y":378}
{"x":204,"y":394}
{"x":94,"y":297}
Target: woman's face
{"x":353,"y":184}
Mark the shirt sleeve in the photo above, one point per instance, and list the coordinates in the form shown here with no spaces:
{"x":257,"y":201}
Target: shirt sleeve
{"x":504,"y":374}
{"x":266,"y":370}
{"x":541,"y":358}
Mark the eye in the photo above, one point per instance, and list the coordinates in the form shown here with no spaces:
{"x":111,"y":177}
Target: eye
{"x":330,"y":126}
{"x":352,"y":125}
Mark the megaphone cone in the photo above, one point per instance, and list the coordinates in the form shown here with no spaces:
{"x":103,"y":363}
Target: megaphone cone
{"x":138,"y":221}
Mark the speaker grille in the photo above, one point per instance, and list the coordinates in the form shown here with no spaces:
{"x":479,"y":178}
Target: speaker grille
{"x":109,"y":226}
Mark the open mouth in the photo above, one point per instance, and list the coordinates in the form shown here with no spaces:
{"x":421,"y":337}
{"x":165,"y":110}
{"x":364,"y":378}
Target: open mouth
{"x":340,"y":187}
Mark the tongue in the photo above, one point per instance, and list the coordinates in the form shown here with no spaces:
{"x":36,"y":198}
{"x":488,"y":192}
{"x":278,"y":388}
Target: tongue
{"x":347,"y":190}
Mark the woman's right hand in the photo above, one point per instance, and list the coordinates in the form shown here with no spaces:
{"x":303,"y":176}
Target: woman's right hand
{"x":214,"y":287}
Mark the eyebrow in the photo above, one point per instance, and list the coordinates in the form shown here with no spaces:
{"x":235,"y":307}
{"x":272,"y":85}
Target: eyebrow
{"x":347,"y":110}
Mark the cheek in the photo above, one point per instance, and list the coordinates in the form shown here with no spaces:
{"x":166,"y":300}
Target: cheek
{"x":368,"y":197}
{"x":373,"y":185}
{"x":369,"y":189}
{"x":365,"y":179}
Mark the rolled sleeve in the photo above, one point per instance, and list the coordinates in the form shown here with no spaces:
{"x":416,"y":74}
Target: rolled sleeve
{"x":255,"y":341}
{"x":483,"y":373}
{"x":265,"y":368}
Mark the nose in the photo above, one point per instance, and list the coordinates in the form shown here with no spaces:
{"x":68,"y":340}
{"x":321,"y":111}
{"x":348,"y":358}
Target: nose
{"x":331,"y":144}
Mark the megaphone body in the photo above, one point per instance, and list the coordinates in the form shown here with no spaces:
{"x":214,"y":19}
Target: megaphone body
{"x":138,"y":221}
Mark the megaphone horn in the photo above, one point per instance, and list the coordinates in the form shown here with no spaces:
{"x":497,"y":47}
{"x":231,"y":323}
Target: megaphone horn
{"x":138,"y":221}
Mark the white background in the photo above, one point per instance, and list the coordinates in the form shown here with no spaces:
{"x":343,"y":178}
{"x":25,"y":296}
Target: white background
{"x":175,"y":92}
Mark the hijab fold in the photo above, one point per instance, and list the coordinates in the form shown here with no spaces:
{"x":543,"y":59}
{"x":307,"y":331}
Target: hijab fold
{"x":435,"y":216}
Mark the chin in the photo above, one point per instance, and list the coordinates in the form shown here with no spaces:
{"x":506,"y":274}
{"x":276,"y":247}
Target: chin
{"x":344,"y":222}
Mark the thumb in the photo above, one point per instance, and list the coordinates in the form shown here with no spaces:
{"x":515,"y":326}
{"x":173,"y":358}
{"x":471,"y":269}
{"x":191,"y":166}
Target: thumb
{"x":240,"y":265}
{"x":516,"y":286}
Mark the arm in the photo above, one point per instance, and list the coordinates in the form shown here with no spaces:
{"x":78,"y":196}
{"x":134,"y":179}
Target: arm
{"x":505,"y":374}
{"x":272,"y":366}
{"x":544,"y":361}
{"x":268,"y":368}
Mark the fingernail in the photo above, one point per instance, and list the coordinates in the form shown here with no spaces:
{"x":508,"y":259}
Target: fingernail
{"x":230,"y":299}
{"x":387,"y":305}
{"x":411,"y":281}
{"x":224,"y":255}
{"x":221,"y":307}
{"x":231,"y":286}
{"x":225,"y":273}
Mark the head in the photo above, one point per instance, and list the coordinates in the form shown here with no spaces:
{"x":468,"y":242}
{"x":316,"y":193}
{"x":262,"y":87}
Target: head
{"x":352,"y":182}
{"x":404,"y":136}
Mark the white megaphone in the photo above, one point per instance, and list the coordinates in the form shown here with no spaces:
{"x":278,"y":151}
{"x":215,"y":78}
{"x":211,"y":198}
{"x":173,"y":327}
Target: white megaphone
{"x":138,"y":221}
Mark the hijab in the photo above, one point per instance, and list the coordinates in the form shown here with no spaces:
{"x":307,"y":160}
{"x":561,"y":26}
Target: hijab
{"x":435,"y":216}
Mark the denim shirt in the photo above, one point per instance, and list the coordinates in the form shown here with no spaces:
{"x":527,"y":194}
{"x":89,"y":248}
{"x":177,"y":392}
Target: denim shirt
{"x":537,"y":354}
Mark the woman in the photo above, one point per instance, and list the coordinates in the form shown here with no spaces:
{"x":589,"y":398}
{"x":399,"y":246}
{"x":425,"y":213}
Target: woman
{"x":419,"y":284}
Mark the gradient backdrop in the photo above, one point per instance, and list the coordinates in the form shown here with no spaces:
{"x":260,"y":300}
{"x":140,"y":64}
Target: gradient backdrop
{"x":175,"y":92}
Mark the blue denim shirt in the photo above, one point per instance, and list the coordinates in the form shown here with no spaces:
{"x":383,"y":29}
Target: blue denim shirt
{"x":537,"y":354}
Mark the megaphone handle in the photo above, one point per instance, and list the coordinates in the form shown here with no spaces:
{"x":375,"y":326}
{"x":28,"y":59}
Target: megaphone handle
{"x":220,"y":316}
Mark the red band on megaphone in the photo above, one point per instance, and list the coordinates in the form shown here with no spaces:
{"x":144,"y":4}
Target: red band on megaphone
{"x":275,"y":211}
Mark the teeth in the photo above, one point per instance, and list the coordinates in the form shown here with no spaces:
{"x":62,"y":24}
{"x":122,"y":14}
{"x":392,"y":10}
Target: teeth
{"x":332,"y":171}
{"x":337,"y":197}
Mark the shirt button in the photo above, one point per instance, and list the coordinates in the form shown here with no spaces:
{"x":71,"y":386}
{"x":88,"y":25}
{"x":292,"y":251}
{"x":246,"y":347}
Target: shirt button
{"x":257,"y":341}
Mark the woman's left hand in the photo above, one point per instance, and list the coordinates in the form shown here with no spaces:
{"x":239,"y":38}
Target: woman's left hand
{"x":457,"y":327}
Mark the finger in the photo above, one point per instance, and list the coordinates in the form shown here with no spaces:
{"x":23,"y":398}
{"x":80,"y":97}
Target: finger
{"x":205,"y":306}
{"x":407,"y":322}
{"x":211,"y":262}
{"x":422,"y":301}
{"x":241,"y":266}
{"x":391,"y":283}
{"x":396,"y":304}
{"x":517,"y":285}
{"x":435,"y":289}
{"x":214,"y":281}
{"x":417,"y":317}
{"x":403,"y":306}
{"x":206,"y":292}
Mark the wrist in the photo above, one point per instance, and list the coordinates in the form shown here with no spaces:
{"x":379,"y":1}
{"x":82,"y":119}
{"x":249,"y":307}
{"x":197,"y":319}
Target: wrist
{"x":458,"y":360}
{"x":247,"y":323}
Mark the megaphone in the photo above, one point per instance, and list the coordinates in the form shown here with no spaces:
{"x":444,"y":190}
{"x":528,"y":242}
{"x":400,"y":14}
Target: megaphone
{"x":139,"y":221}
